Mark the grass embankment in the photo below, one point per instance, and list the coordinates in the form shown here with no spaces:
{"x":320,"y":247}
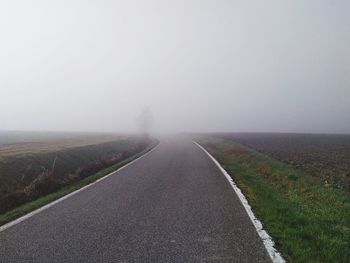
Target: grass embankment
{"x":310,"y":222}
{"x":30,"y":206}
{"x":21,"y":163}
{"x":26,"y":177}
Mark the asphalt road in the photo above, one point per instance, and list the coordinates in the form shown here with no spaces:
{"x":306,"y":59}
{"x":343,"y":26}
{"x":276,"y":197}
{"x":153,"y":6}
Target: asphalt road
{"x":173,"y":205}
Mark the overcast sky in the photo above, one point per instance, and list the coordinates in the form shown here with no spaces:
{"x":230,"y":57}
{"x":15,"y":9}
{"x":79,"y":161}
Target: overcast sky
{"x":197,"y":65}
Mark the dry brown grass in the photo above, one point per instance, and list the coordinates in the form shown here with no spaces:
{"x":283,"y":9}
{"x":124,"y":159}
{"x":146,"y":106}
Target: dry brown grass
{"x":25,"y":148}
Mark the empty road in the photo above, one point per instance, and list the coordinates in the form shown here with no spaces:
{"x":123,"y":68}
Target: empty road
{"x":173,"y":205}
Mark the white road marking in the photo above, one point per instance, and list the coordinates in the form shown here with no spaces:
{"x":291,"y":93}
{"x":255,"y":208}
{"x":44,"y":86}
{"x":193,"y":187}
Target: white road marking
{"x":266,"y":238}
{"x":37,"y":211}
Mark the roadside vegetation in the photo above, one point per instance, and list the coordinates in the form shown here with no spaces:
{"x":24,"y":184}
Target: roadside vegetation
{"x":31,"y":180}
{"x":325,"y":156}
{"x":308,"y":219}
{"x":24,"y":156}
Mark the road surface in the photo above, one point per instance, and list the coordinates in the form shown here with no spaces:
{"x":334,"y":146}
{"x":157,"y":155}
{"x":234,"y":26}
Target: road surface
{"x":173,"y":205}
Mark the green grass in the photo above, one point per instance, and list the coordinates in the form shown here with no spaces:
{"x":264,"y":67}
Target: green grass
{"x":30,"y":206}
{"x":309,"y":221}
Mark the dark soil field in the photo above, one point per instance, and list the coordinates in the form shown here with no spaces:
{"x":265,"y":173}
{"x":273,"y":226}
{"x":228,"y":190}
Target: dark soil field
{"x":324,"y":156}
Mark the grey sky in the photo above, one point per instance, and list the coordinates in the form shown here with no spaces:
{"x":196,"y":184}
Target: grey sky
{"x":198,"y":65}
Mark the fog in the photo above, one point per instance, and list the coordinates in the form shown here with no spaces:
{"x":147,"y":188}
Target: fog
{"x":253,"y":66}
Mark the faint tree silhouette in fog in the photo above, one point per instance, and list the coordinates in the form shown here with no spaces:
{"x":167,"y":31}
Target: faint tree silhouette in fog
{"x":145,"y":121}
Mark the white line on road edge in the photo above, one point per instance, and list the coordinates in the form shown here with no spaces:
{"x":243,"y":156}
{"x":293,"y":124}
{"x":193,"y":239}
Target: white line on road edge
{"x":267,"y":240}
{"x":37,"y":211}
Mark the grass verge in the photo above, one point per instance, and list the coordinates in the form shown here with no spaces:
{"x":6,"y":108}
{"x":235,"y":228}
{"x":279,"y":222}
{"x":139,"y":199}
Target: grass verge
{"x":309,"y":221}
{"x":31,"y":206}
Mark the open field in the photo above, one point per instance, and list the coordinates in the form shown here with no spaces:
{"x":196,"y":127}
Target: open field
{"x":26,"y":143}
{"x":327,"y":157}
{"x":11,"y":137}
{"x":31,"y":169}
{"x":309,"y":221}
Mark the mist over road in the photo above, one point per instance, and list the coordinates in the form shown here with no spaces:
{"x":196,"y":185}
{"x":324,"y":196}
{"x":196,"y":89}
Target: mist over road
{"x":173,"y":205}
